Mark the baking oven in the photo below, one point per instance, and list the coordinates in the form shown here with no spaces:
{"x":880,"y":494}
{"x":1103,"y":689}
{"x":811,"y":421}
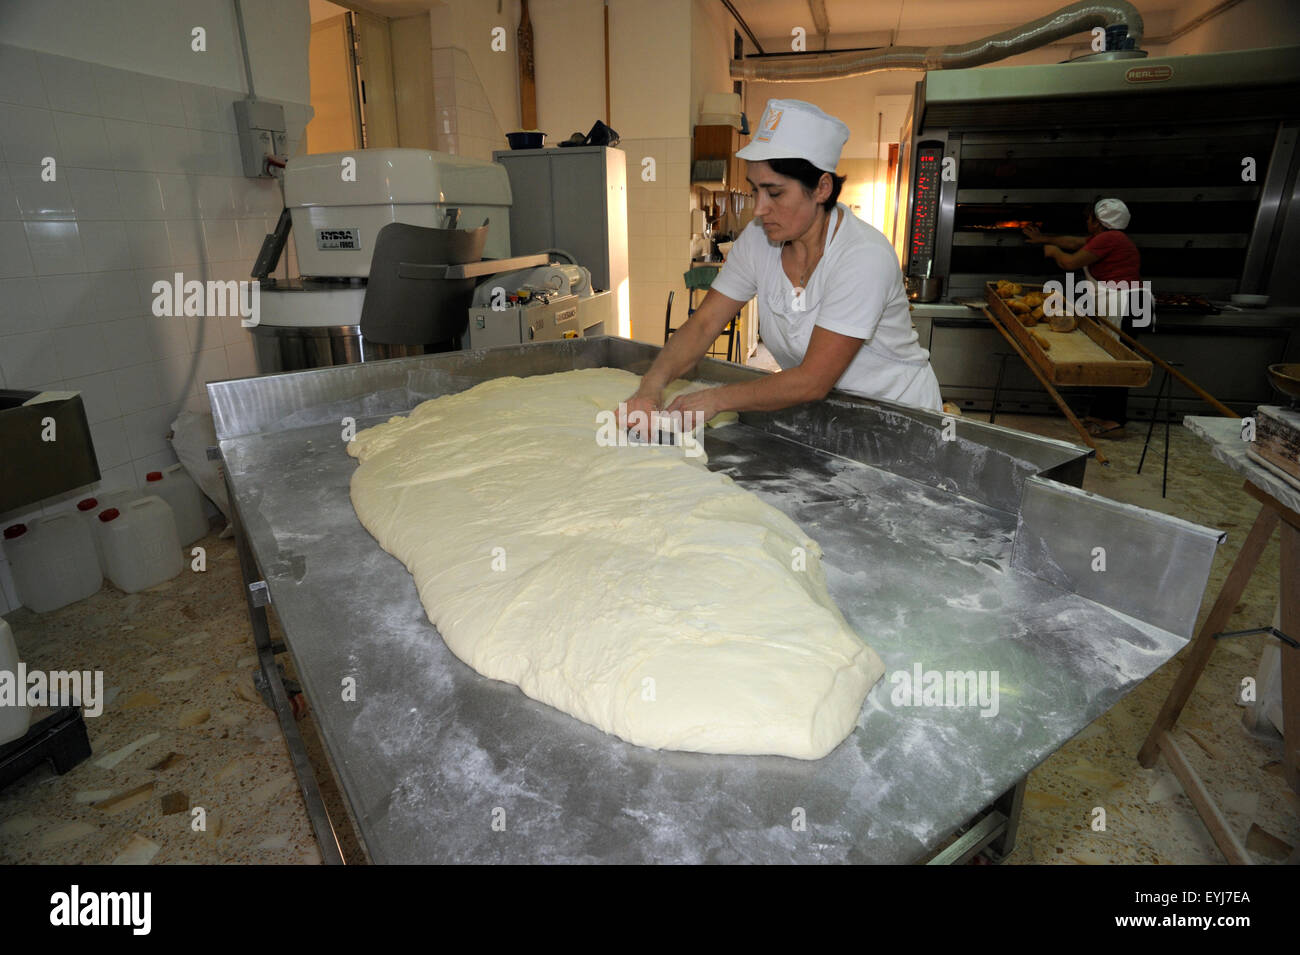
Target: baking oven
{"x":1202,"y":149}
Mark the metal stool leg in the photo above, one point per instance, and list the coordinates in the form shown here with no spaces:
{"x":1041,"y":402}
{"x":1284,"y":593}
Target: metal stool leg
{"x":997,"y":385}
{"x":1164,"y":477}
{"x":1168,"y":397}
{"x":1151,"y":425}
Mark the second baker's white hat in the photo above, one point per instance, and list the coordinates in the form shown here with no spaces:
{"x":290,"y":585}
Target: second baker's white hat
{"x":1112,"y":213}
{"x":793,"y":129}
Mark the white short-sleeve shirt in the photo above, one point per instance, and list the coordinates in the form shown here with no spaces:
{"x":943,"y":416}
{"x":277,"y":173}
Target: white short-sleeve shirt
{"x":855,"y":290}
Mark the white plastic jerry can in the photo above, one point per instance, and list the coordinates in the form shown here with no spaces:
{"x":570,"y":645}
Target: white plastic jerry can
{"x":90,"y":507}
{"x":140,"y":545}
{"x":53,"y":561}
{"x":175,"y":487}
{"x":15,"y":716}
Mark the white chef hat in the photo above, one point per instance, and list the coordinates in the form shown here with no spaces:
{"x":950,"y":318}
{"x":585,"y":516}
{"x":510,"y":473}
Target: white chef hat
{"x":1112,"y":213}
{"x":793,"y":129}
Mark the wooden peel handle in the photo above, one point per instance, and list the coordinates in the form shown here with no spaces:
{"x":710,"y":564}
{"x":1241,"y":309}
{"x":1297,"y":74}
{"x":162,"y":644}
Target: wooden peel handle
{"x":527,"y":80}
{"x":1133,"y":343}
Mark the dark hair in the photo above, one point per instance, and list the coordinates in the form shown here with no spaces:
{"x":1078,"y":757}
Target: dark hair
{"x":808,"y":175}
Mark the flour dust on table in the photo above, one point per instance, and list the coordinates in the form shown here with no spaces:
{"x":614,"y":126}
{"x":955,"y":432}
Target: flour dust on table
{"x":628,"y":586}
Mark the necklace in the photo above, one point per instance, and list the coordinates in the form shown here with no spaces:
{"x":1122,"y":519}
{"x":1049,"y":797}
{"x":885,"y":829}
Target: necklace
{"x":811,"y":265}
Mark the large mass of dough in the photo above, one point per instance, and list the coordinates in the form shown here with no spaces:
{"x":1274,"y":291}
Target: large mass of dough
{"x":627,"y":586}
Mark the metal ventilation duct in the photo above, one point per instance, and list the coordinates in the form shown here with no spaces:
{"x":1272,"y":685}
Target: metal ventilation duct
{"x":1122,"y":22}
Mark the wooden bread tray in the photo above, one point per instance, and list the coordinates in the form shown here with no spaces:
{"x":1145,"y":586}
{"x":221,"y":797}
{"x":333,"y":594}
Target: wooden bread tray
{"x":1089,"y":355}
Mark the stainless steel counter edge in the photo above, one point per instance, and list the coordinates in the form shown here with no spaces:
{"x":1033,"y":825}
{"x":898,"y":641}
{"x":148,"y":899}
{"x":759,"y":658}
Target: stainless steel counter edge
{"x":1101,"y":549}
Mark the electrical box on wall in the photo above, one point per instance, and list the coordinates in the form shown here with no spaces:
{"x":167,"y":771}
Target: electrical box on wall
{"x":261,"y":134}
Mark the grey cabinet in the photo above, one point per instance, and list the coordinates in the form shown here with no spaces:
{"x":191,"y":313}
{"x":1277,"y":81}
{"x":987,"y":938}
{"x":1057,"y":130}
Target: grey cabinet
{"x":573,"y":199}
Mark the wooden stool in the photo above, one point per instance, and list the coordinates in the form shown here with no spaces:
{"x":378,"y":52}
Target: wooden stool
{"x":1160,"y":740}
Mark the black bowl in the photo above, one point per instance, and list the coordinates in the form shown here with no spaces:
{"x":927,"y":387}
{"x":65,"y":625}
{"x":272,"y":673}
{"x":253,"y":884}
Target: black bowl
{"x":526,"y":140}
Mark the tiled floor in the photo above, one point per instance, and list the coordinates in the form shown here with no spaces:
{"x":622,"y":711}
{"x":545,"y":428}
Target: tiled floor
{"x":184,"y":727}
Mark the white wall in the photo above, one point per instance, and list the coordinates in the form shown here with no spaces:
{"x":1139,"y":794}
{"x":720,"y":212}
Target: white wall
{"x":153,"y":37}
{"x":324,"y":10}
{"x":711,"y":38}
{"x":650,"y":80}
{"x":148,"y":183}
{"x":654,"y":73}
{"x":569,"y":40}
{"x":468,"y":25}
{"x":650,"y":93}
{"x":651,"y":70}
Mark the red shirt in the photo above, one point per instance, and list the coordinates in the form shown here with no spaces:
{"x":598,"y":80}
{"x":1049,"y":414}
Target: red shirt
{"x":1118,"y":259}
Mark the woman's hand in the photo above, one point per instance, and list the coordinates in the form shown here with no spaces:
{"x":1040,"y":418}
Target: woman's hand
{"x":647,"y":404}
{"x":703,"y":404}
{"x":1032,"y":234}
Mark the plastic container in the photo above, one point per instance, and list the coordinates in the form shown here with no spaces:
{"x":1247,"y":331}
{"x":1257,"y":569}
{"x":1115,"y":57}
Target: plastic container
{"x":139,"y":543}
{"x":722,"y":119}
{"x":174,"y":485}
{"x":89,"y":508}
{"x":721,"y":109}
{"x":53,"y":561}
{"x":14,"y":719}
{"x":106,"y":499}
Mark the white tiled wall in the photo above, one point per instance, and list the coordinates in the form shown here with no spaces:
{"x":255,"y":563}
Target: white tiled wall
{"x":464,"y":123}
{"x":147,"y":183}
{"x":659,"y":236}
{"x":658,"y":233}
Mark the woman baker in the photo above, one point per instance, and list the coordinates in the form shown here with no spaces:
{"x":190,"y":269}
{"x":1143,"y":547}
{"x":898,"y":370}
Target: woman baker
{"x":831,"y":305}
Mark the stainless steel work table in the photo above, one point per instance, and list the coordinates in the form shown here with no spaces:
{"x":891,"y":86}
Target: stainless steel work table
{"x":956,"y":555}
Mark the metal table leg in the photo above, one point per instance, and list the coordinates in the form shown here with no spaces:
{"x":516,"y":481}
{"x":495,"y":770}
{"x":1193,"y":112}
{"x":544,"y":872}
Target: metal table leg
{"x":255,"y":595}
{"x":995,"y":830}
{"x":1010,"y":804}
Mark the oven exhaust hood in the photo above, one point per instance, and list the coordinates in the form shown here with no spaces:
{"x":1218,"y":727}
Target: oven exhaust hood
{"x":1121,"y":21}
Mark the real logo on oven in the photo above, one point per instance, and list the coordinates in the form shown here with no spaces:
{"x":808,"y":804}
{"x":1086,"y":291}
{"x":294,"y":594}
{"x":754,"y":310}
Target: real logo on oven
{"x":1149,"y":74}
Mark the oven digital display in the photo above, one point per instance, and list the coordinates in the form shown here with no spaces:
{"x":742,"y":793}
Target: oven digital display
{"x":925,"y":208}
